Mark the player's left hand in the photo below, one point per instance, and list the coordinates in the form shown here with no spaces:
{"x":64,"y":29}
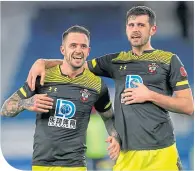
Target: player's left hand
{"x":113,"y":148}
{"x":140,"y":94}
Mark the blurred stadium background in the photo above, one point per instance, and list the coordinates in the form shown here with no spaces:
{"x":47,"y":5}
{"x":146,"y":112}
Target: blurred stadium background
{"x":32,"y":30}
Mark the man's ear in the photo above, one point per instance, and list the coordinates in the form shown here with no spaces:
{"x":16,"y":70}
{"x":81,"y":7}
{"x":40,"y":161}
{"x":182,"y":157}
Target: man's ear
{"x":153,"y":30}
{"x":62,"y":50}
{"x":89,"y":50}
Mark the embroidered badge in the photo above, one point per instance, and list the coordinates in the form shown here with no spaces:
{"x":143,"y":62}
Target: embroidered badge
{"x":84,"y":95}
{"x":152,"y":68}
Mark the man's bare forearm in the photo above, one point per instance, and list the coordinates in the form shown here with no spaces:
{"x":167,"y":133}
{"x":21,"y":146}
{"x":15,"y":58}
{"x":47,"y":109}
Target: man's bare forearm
{"x":180,"y":104}
{"x":49,"y":63}
{"x":108,"y":118}
{"x":11,"y":106}
{"x":14,"y":105}
{"x":52,"y":62}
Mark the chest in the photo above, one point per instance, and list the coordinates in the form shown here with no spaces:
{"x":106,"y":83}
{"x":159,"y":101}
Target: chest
{"x":78,"y":97}
{"x":150,"y":72}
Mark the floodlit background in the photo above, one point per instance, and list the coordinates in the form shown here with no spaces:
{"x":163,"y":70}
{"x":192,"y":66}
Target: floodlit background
{"x":32,"y":30}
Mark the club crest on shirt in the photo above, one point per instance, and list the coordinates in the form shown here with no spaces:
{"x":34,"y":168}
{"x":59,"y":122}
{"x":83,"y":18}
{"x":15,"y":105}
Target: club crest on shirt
{"x":183,"y":71}
{"x":84,"y":95}
{"x":152,"y":68}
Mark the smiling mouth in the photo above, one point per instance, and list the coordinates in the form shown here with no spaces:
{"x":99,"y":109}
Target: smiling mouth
{"x":136,"y":37}
{"x":77,"y":57}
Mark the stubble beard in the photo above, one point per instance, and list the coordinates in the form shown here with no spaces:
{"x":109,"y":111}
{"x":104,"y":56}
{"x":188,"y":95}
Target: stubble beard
{"x":143,"y":42}
{"x":76,"y":67}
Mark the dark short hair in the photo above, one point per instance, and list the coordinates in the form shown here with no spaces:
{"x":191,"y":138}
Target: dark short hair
{"x":76,"y":29}
{"x":142,"y":10}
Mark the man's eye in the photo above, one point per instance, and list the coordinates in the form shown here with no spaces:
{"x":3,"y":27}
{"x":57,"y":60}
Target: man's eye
{"x":131,"y":25}
{"x":73,"y":45}
{"x":83,"y":46}
{"x":141,"y":25}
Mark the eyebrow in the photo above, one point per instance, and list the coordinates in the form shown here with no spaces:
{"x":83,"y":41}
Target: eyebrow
{"x":79,"y":44}
{"x":136,"y":23}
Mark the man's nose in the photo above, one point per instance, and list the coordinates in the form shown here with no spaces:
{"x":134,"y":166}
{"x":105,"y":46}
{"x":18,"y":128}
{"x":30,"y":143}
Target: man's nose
{"x":78,"y":49}
{"x":135,"y":28}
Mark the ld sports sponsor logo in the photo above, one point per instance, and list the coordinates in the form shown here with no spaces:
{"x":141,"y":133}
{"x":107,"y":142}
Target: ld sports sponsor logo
{"x":64,"y":111}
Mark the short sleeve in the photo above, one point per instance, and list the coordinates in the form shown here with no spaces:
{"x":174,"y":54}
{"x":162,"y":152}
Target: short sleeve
{"x":178,"y":77}
{"x":103,"y":103}
{"x":25,"y":92}
{"x":102,"y":66}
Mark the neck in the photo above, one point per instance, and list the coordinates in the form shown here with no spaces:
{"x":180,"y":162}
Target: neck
{"x":71,"y":72}
{"x":139,"y":50}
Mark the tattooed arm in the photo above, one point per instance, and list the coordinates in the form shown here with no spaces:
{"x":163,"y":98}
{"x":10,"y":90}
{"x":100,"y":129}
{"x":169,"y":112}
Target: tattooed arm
{"x":114,"y":139}
{"x":11,"y":106}
{"x":108,"y":118}
{"x":104,"y":107}
{"x":15,"y":104}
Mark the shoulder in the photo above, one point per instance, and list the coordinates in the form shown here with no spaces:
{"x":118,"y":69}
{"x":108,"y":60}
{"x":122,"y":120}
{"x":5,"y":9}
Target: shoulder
{"x":93,"y":81}
{"x":52,"y":70}
{"x":92,"y":77}
{"x":108,"y":57}
{"x":164,"y":56}
{"x":54,"y":75}
{"x":123,"y":55}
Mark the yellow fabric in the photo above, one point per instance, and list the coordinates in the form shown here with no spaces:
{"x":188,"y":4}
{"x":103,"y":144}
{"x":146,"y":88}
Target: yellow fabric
{"x":86,"y":79}
{"x":108,"y":105}
{"x":23,"y":91}
{"x":160,"y":159}
{"x":182,"y":83}
{"x":45,"y":168}
{"x":155,"y":56}
{"x":94,"y":63}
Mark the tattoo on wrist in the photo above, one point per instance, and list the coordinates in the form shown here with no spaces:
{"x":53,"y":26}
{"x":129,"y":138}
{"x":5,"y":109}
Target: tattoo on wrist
{"x":25,"y":103}
{"x":115,"y":134}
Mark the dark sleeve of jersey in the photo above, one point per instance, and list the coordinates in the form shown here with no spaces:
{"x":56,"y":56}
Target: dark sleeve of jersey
{"x":178,"y":77}
{"x":25,"y":92}
{"x":103,"y":103}
{"x":102,"y":66}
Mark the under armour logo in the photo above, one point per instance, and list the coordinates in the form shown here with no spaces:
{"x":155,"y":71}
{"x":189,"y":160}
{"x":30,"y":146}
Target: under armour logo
{"x":53,"y":89}
{"x":123,"y":67}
